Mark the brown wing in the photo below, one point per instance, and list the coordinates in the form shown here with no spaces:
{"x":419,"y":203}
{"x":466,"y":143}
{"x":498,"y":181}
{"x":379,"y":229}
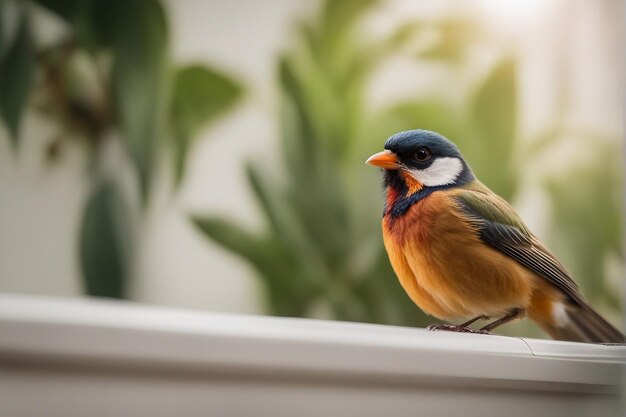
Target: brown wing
{"x":501,"y":227}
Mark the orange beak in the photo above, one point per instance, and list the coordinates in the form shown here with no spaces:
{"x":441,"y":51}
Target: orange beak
{"x":384,"y":159}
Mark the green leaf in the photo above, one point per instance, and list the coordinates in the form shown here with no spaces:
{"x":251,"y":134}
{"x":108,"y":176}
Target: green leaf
{"x":285,"y":226}
{"x":368,"y":59}
{"x":284,"y":291}
{"x":17,"y":71}
{"x":339,"y":15}
{"x":338,"y":18}
{"x":2,"y":36}
{"x":494,"y":127}
{"x":233,"y":237}
{"x":66,"y":9}
{"x":199,"y":95}
{"x":90,"y":19}
{"x":495,"y":106}
{"x":423,"y":114}
{"x":300,"y":138}
{"x":263,"y":253}
{"x":139,"y":83}
{"x":76,"y":13}
{"x":269,"y":199}
{"x":104,"y":243}
{"x":587,"y":218}
{"x":454,"y":37}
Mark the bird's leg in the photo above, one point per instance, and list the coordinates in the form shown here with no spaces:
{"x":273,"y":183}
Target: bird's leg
{"x":461,"y":328}
{"x":512,"y":315}
{"x":472,"y":321}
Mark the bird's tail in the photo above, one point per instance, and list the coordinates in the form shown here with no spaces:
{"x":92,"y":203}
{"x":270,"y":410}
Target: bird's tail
{"x":584,"y":324}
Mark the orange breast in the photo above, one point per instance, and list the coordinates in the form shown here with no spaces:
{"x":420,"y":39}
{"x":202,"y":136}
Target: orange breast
{"x":445,"y":268}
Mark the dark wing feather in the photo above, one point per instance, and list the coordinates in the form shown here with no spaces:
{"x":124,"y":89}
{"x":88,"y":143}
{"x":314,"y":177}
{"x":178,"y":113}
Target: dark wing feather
{"x":501,"y":227}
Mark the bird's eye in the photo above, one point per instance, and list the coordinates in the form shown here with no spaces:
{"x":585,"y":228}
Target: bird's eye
{"x":422,"y":154}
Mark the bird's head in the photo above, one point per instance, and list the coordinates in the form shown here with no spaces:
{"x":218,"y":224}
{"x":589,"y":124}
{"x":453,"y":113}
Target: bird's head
{"x":417,"y":162}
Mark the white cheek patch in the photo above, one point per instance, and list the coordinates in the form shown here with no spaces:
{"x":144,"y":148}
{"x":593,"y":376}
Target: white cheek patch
{"x":442,"y":171}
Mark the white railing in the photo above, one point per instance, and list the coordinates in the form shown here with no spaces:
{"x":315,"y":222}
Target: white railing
{"x":79,"y":357}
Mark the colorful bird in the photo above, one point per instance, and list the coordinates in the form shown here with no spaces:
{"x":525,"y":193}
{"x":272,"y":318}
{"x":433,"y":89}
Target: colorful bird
{"x":459,"y":250}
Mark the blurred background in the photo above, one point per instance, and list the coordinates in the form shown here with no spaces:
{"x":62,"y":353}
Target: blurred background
{"x":209,"y":154}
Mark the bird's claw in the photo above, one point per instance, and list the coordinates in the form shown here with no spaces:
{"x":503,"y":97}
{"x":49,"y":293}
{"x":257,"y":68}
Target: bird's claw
{"x":454,"y":328}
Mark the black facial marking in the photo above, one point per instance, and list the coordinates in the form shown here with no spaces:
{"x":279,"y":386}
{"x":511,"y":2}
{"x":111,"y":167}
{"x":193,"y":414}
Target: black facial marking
{"x":406,"y":146}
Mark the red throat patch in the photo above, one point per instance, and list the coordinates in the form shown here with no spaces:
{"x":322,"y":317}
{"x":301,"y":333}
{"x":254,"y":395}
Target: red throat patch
{"x":412,"y":186}
{"x":392,"y":196}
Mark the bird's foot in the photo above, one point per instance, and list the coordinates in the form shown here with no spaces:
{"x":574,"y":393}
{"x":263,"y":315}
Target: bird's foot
{"x":454,"y":328}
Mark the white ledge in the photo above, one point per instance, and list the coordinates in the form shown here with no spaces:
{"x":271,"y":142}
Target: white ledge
{"x":121,"y":338}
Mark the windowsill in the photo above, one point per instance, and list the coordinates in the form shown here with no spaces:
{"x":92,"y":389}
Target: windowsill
{"x":130,"y":341}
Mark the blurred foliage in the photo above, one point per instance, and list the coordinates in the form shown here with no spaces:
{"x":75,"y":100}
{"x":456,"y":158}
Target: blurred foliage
{"x":16,"y":75}
{"x":321,"y":253}
{"x":585,"y":220}
{"x":587,"y":205}
{"x":108,"y":78}
{"x":194,"y":105}
{"x":105,"y":242}
{"x":485,"y":129}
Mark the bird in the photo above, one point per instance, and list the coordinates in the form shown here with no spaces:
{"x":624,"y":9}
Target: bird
{"x":461,"y":251}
